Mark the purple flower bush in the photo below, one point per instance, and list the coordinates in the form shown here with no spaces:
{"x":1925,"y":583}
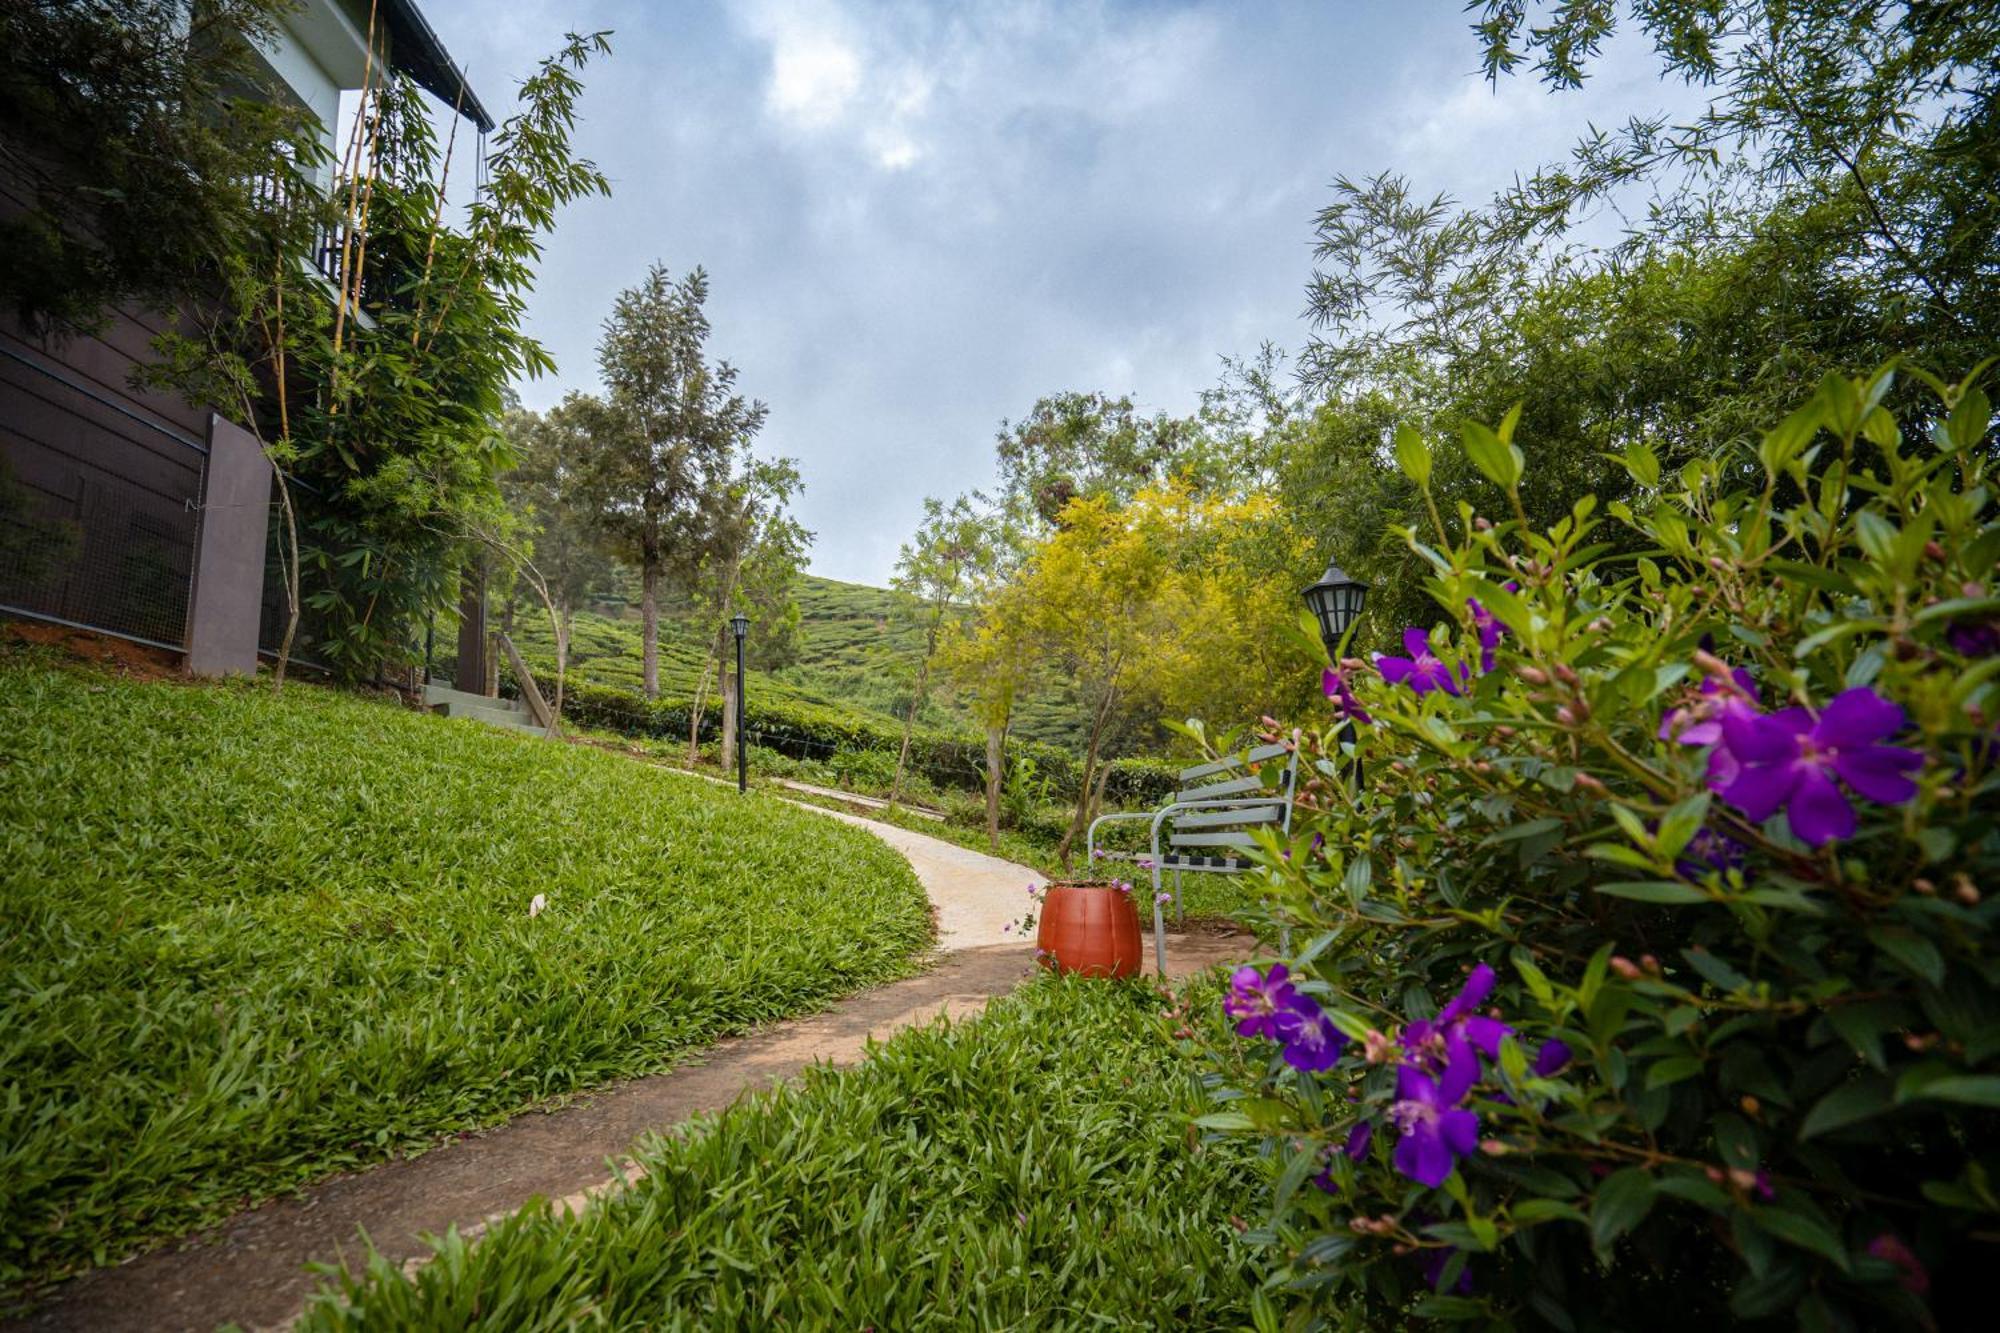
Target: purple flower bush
{"x":1640,"y":980}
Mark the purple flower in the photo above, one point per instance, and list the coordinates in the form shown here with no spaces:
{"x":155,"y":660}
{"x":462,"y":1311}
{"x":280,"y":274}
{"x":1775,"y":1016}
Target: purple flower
{"x":1423,"y":670}
{"x":1910,"y":1270}
{"x":1345,"y":705}
{"x":1433,"y":1262}
{"x":1551,"y":1058}
{"x":1789,"y":760}
{"x":1429,"y":1040}
{"x":1708,"y":850}
{"x":1490,"y":633}
{"x":1700,"y":723}
{"x":1436,"y":1131}
{"x":1312,"y":1042}
{"x":1358,"y":1140}
{"x":1258,"y":1002}
{"x":1976,"y":639}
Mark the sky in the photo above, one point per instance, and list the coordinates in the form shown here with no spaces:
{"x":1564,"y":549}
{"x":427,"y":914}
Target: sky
{"x":917,"y":219}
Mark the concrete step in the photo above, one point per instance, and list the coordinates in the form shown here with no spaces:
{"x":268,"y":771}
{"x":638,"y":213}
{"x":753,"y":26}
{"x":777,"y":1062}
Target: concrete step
{"x":510,"y":713}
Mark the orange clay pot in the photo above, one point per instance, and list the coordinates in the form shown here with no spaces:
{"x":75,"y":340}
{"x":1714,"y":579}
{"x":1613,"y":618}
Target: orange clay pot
{"x":1091,"y":929}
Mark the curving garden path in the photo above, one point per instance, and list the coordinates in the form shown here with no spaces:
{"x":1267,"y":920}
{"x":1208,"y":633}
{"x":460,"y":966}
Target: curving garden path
{"x":251,"y":1271}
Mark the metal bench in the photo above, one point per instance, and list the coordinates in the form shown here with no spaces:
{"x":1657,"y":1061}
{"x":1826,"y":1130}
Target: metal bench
{"x":1231,"y":799}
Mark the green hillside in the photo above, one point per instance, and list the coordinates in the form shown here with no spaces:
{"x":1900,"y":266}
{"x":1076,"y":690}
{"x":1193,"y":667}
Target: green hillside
{"x":855,"y":653}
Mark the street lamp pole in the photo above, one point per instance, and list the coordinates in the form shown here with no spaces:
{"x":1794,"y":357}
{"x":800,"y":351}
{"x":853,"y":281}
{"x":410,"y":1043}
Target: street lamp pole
{"x":741,"y":624}
{"x":1336,"y":601}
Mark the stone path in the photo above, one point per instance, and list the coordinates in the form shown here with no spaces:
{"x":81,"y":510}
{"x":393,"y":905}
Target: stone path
{"x":251,"y":1270}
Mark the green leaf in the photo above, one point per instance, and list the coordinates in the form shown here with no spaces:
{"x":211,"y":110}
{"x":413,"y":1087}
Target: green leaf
{"x":1653,"y":891}
{"x":1500,"y":462}
{"x":1620,"y":1203}
{"x":1917,"y":954}
{"x":1528,"y":1212}
{"x":1225,"y":1122}
{"x":1669,"y":1072}
{"x":1968,"y":1090}
{"x":1808,"y":1233}
{"x":1413,"y":455}
{"x":1848,"y":1104}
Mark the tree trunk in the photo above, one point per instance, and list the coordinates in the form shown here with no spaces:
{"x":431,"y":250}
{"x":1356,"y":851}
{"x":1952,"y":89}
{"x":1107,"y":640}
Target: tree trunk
{"x":649,"y":626}
{"x":712,"y":662}
{"x":1081,"y":819}
{"x":909,"y":725}
{"x":996,"y":757}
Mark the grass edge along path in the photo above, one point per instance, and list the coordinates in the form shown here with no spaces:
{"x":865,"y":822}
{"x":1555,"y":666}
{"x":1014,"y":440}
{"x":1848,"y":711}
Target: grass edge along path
{"x":248,"y":941}
{"x":1034,"y":1167}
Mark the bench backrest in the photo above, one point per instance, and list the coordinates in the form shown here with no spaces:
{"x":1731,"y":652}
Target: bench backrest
{"x":1235,"y":778}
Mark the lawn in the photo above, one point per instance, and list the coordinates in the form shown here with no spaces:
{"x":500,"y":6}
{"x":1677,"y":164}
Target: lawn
{"x":1034,"y":1169}
{"x":248,"y":940}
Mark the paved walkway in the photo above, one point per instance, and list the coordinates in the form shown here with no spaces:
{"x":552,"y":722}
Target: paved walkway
{"x":251,"y":1270}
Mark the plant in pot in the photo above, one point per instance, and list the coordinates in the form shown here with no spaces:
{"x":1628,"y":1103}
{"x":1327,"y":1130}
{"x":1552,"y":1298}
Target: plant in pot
{"x":1089,"y":927}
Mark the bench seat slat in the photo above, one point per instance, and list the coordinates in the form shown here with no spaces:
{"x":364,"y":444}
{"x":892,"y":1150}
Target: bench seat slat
{"x":1212,"y":840}
{"x":1253,"y":814}
{"x":1233,"y":761}
{"x":1220,"y":790}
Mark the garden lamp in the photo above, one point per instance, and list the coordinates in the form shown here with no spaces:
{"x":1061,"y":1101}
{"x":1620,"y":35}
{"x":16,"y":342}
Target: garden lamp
{"x":1336,"y":602}
{"x":741,"y":624}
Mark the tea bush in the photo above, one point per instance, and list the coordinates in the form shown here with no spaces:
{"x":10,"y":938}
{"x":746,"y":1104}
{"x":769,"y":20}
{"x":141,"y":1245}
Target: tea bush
{"x":1650,"y":982}
{"x":248,"y":940}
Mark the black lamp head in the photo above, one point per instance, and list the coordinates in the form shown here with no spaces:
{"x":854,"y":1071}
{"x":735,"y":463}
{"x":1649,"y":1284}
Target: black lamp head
{"x":740,"y":623}
{"x":1336,"y":602}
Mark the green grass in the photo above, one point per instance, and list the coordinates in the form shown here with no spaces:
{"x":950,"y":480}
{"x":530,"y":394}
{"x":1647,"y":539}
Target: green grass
{"x":1032,"y":1169}
{"x":247,"y":940}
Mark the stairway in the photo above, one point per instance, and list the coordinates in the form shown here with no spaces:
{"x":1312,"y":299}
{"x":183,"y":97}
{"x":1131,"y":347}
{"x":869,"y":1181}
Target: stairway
{"x":511,"y":713}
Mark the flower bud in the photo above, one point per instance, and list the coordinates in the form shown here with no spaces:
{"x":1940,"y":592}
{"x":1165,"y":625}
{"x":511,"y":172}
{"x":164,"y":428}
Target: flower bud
{"x":1714,"y":1173}
{"x":1585,"y":782}
{"x":1923,"y":886}
{"x":1711,"y":665}
{"x":1482,"y":524}
{"x":1377,"y":1048}
{"x":1533,"y":675}
{"x":1503,"y":732}
{"x":1493,"y":1148}
{"x":1625,"y":967}
{"x":1742,"y":1177}
{"x":1564,"y":674}
{"x":1750,"y":1105}
{"x":1565,"y":716}
{"x":1963,"y":890}
{"x":1933,"y":551}
{"x":1353,"y":664}
{"x":1601,"y":625}
{"x":1973,"y":590}
{"x":1649,"y":964}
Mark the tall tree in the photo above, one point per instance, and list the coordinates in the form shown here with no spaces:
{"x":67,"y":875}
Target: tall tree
{"x":1075,"y":444}
{"x":937,"y":573}
{"x":665,"y":435}
{"x":549,"y":494}
{"x":747,"y":560}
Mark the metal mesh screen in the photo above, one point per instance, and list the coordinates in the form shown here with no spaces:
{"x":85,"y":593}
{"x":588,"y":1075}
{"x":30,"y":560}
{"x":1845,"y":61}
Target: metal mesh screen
{"x":98,"y":499}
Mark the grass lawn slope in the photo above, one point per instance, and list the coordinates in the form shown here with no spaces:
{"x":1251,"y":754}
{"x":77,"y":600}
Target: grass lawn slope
{"x":247,"y":940}
{"x":1033,"y":1169}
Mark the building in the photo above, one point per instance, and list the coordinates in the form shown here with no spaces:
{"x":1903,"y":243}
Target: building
{"x":134,"y":513}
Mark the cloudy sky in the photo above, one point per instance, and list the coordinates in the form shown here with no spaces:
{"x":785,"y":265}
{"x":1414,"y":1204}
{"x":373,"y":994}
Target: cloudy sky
{"x":917,"y":219}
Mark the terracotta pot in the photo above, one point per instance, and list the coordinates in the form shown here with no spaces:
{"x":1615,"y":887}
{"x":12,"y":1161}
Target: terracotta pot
{"x":1091,"y":929}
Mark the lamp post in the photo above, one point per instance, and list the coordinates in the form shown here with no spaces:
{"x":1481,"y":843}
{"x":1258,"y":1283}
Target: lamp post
{"x":1336,"y":602}
{"x":741,"y":624}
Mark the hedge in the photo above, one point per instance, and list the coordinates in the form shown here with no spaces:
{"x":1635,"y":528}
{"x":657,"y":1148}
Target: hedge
{"x":811,"y":731}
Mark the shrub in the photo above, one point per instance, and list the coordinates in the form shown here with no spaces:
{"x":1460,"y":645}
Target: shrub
{"x":817,"y":732}
{"x":1651,"y":981}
